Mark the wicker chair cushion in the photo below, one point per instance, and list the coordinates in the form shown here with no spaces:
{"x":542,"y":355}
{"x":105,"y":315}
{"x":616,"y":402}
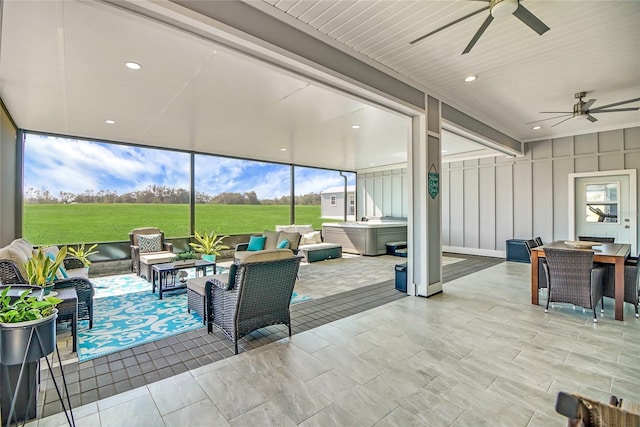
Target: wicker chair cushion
{"x":150,"y":242}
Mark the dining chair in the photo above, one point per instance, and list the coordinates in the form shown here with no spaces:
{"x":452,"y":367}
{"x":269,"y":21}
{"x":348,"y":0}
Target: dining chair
{"x":542,"y":275}
{"x":631,"y":285}
{"x":597,"y":239}
{"x":573,"y":278}
{"x":538,"y":241}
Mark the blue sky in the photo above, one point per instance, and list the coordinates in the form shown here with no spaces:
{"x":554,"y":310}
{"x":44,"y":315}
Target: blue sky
{"x":74,"y":166}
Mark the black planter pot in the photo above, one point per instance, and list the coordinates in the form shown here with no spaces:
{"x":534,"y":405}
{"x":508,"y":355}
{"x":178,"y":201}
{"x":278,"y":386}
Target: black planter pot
{"x":14,"y":340}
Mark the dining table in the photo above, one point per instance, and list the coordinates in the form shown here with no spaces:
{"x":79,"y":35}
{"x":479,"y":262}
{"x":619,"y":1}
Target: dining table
{"x":605,"y":253}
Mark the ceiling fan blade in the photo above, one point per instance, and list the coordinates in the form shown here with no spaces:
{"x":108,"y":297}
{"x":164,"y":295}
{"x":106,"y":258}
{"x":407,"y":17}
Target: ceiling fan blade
{"x":591,"y":118}
{"x":530,"y":20}
{"x":613,"y":110}
{"x":549,"y":118}
{"x":475,"y":38}
{"x":562,"y":121}
{"x":588,"y":104}
{"x":448,"y":25}
{"x":628,"y":101}
{"x":556,"y":112}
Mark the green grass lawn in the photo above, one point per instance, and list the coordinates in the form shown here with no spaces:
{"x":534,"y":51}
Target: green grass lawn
{"x":95,"y":222}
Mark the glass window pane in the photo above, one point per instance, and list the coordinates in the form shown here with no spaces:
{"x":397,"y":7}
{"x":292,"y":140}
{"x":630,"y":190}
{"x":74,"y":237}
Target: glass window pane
{"x":602,"y":202}
{"x":235,"y":196}
{"x":89,"y":191}
{"x":320,"y":196}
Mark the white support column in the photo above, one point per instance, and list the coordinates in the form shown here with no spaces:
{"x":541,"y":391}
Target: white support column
{"x":424,"y":231}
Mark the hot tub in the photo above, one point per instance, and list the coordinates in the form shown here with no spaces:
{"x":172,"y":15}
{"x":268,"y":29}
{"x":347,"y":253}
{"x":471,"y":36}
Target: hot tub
{"x":365,"y":237}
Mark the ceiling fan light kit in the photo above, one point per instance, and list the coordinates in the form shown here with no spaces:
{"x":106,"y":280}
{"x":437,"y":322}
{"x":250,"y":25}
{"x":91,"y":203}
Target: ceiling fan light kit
{"x":502,"y":8}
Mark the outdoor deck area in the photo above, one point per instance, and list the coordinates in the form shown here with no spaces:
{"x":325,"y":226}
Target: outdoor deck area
{"x":338,"y":288}
{"x":477,"y":354}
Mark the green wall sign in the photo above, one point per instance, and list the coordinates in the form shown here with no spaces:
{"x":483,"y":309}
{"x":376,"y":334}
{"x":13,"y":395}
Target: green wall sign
{"x":433,"y":181}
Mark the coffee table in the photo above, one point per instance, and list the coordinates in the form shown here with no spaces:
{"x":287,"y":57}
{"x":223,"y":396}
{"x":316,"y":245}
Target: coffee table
{"x":160,"y":273}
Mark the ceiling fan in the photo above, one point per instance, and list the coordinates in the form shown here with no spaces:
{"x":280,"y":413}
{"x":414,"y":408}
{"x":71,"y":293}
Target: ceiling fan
{"x":583,"y":110}
{"x":497,"y":9}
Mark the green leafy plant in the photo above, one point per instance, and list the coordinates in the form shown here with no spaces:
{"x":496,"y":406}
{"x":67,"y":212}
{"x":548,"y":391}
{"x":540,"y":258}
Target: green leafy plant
{"x":183,"y":256}
{"x":82,"y":254}
{"x":25,"y":308}
{"x":41,"y":270}
{"x":208,"y":243}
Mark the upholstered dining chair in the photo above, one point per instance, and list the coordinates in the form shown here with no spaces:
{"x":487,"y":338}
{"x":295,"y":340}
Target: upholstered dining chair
{"x":573,"y":278}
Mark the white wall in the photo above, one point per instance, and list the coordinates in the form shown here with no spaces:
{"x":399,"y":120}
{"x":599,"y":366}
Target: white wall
{"x":487,"y":201}
{"x":382,"y":193}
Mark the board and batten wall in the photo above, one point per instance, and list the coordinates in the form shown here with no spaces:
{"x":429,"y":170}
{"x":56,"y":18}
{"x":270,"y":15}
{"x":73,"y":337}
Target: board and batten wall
{"x":487,"y":201}
{"x":383,"y":193}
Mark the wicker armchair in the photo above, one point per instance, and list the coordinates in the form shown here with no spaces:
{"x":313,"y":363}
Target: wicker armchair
{"x":135,"y":249}
{"x":10,"y":275}
{"x":573,"y":278}
{"x":258,"y":296}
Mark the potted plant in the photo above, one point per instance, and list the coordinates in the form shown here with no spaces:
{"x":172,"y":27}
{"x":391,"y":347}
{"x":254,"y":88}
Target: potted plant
{"x":184,"y":258}
{"x":208,"y":244}
{"x":41,"y":268}
{"x":18,"y":316}
{"x":82,"y":254}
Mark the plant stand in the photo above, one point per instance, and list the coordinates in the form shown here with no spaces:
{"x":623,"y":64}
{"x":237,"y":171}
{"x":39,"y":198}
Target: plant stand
{"x":22,"y":345}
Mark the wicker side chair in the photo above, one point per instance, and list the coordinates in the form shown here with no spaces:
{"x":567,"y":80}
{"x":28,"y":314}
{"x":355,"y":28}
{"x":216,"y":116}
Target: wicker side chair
{"x":542,"y":274}
{"x":259,"y":296}
{"x":597,"y":239}
{"x":631,"y":283}
{"x":583,"y":411}
{"x":10,"y":275}
{"x":573,"y":278}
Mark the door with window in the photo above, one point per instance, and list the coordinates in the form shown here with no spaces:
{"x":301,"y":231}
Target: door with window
{"x":604,"y":207}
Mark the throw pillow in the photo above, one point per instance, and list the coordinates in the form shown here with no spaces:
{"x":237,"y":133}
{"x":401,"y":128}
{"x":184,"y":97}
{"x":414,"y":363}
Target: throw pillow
{"x":283,"y":244}
{"x":256,"y":243}
{"x":272,"y":239}
{"x":150,"y":242}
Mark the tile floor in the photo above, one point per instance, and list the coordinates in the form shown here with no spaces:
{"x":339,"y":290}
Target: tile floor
{"x":477,"y":354}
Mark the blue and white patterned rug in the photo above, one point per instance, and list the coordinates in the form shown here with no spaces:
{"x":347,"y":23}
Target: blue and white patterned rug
{"x":126,"y":314}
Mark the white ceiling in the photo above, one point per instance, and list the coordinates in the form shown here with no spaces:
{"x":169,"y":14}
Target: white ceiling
{"x":62,"y":71}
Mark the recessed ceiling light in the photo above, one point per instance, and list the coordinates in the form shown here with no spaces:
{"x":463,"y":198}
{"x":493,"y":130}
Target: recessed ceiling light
{"x":470,"y":78}
{"x":536,"y":127}
{"x":371,"y":164}
{"x":444,"y":151}
{"x":132,"y":65}
{"x":355,"y":127}
{"x":283,"y":149}
{"x":110,"y":122}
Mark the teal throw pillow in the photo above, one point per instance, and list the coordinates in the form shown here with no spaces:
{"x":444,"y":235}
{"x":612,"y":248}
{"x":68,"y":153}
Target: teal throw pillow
{"x":284,"y":244}
{"x":256,"y":243}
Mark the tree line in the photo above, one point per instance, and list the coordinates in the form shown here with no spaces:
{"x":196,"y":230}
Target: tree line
{"x":162,"y":195}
